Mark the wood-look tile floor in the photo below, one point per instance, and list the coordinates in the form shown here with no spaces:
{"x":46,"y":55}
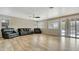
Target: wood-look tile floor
{"x":39,"y":42}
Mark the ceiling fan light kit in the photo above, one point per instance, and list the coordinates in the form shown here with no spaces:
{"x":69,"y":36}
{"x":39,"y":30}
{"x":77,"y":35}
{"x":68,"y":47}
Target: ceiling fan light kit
{"x":37,"y":17}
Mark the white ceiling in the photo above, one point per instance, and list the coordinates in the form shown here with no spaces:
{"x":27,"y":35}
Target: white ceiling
{"x":26,"y":12}
{"x":42,"y":12}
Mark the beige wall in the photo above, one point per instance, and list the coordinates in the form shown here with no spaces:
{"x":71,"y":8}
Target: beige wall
{"x":22,"y":23}
{"x":45,"y":30}
{"x":19,"y":23}
{"x":50,"y":32}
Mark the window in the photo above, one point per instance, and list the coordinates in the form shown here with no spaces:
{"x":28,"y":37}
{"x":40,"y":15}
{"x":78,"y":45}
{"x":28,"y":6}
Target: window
{"x":53,"y":24}
{"x":5,"y":21}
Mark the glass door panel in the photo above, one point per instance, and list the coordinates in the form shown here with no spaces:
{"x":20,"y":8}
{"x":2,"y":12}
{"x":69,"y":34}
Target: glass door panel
{"x":72,"y":28}
{"x":77,"y":28}
{"x":68,"y":28}
{"x":62,"y":27}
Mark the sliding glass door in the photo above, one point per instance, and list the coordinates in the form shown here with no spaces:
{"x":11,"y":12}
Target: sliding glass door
{"x":68,"y":28}
{"x":72,"y":27}
{"x":77,"y":28}
{"x":65,"y":27}
{"x":62,"y":27}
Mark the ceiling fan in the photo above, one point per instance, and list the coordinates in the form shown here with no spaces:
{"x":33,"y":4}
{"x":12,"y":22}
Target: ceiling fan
{"x":36,"y":17}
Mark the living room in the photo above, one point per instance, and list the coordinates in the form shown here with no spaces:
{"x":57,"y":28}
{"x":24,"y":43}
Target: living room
{"x":39,"y":28}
